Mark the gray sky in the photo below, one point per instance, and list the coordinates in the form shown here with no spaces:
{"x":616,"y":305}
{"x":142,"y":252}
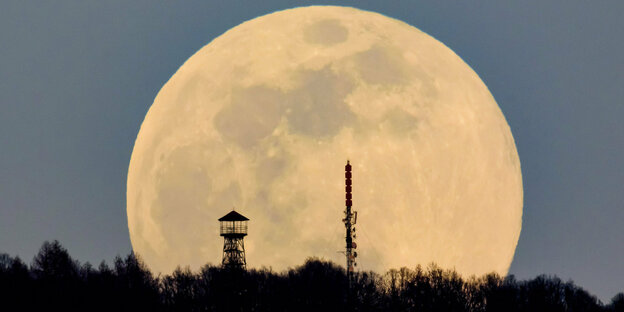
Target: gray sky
{"x":77,"y":77}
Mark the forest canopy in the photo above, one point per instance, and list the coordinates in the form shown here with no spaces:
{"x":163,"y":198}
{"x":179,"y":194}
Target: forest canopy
{"x":54,"y":280}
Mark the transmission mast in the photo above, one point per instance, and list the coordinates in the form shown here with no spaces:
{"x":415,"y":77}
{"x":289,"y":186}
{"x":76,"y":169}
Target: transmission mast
{"x":349,"y":221}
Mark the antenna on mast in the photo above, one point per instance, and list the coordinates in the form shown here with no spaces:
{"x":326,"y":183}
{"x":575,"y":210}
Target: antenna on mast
{"x":349,"y":221}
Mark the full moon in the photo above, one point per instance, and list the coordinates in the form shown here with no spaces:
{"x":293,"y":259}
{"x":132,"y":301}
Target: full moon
{"x":264,"y":118}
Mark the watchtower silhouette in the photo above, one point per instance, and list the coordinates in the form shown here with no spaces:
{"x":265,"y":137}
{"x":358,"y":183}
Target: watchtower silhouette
{"x":233,"y":229}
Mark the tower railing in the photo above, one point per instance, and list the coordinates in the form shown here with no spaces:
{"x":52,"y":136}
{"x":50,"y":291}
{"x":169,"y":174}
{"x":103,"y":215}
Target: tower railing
{"x":234,"y":227}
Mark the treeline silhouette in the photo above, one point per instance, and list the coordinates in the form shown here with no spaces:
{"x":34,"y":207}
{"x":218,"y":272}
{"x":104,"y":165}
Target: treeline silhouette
{"x":56,"y":282}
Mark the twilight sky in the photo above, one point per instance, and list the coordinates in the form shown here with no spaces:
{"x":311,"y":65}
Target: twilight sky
{"x":77,"y":77}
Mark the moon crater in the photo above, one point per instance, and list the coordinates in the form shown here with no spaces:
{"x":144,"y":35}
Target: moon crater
{"x":326,"y":32}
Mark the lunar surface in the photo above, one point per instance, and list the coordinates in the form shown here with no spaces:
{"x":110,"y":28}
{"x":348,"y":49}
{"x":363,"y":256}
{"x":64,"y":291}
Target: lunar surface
{"x":265,"y":116}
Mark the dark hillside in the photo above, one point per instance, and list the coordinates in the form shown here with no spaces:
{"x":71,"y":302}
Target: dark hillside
{"x":55,"y":281}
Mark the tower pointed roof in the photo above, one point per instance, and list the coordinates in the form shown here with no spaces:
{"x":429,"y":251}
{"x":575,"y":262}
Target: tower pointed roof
{"x":233,"y":216}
